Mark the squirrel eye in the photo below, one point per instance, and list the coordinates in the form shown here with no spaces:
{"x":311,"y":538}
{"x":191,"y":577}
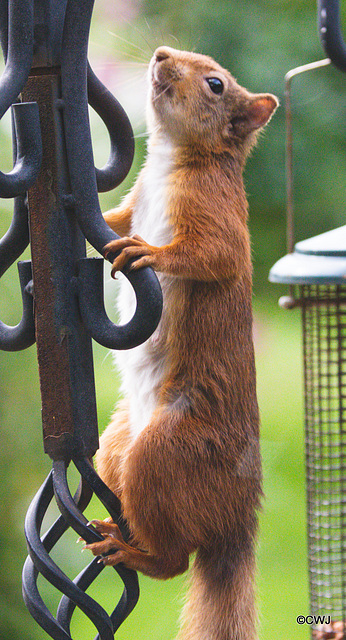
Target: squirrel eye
{"x":216,"y":85}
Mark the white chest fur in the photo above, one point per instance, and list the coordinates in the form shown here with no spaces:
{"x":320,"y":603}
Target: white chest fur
{"x":142,"y":368}
{"x":150,"y":219}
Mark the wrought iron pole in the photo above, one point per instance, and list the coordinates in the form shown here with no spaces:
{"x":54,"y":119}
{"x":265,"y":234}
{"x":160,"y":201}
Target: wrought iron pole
{"x":45,"y":48}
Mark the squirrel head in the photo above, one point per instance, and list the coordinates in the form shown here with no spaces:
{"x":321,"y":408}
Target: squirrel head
{"x":196,"y":103}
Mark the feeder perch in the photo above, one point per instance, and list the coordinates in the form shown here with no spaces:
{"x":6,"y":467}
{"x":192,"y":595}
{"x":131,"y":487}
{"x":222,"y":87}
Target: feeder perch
{"x":315,"y":270}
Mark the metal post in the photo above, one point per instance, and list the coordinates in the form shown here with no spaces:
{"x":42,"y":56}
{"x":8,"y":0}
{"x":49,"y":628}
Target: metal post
{"x":45,"y":48}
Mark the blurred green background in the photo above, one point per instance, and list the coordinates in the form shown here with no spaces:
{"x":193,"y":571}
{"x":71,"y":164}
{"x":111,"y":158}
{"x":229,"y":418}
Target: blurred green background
{"x":258,"y":41}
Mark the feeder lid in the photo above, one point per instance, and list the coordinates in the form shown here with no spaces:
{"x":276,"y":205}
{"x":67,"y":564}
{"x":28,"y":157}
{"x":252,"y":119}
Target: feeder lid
{"x":318,"y":260}
{"x":332,"y":243}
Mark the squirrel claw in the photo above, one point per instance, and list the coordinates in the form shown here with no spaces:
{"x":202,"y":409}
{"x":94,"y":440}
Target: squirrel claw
{"x":112,"y":538}
{"x":113,"y":559}
{"x":112,"y":549}
{"x":127,"y":248}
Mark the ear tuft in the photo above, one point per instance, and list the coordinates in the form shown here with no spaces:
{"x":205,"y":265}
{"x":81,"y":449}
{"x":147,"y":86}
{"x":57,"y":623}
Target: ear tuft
{"x":260,"y":110}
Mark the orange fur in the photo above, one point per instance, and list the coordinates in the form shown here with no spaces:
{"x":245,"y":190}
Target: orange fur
{"x":115,"y":441}
{"x":191,"y":480}
{"x":119,"y":219}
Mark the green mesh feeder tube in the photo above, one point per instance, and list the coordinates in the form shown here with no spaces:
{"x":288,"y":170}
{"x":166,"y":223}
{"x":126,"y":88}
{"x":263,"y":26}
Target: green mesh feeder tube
{"x":316,"y":273}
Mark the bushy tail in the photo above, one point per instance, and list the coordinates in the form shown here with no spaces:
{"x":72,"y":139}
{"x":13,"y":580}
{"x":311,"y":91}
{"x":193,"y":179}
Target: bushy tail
{"x":221,"y":600}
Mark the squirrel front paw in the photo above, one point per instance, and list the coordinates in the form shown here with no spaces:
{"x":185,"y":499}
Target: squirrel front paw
{"x":130,"y":248}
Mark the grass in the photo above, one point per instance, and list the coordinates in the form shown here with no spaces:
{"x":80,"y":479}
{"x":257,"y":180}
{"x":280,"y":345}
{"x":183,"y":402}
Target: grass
{"x":283,"y":582}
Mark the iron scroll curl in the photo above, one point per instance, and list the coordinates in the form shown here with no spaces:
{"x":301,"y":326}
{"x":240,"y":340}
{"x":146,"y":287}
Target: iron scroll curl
{"x":78,"y":82}
{"x":16,"y":35}
{"x":329,"y":27}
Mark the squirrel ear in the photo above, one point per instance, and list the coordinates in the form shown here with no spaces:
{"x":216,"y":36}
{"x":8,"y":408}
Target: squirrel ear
{"x":260,"y":110}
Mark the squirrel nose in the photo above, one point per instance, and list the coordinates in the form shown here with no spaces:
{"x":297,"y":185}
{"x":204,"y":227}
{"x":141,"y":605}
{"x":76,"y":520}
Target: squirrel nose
{"x":162,"y":53}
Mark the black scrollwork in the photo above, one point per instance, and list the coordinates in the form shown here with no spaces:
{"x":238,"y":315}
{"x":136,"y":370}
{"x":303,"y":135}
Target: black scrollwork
{"x":47,"y":82}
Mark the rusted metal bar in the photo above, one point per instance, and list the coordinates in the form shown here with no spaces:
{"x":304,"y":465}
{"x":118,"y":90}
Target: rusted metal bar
{"x":63,"y":345}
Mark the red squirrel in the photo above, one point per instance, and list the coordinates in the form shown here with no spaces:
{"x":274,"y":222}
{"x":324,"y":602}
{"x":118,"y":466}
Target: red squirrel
{"x":182,"y":449}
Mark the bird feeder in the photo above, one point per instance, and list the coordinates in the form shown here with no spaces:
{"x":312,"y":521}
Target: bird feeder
{"x":315,"y":270}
